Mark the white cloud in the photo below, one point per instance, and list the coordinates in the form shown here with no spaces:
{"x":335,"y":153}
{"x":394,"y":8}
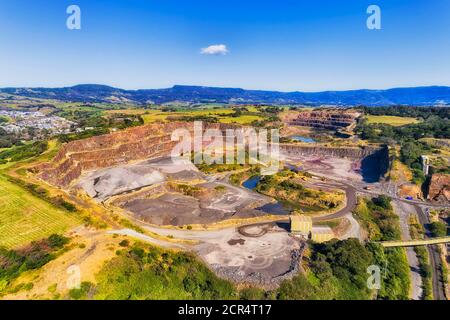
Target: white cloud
{"x":215,"y":49}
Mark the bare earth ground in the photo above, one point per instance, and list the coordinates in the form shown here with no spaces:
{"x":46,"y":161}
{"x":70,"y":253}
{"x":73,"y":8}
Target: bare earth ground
{"x":265,"y":255}
{"x":337,"y":168}
{"x":169,"y":207}
{"x":99,"y":247}
{"x":104,"y":183}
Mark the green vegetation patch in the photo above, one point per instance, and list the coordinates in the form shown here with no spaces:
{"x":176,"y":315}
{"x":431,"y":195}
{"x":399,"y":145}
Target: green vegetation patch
{"x":33,"y":256}
{"x":382,"y":224}
{"x":438,"y":229}
{"x":285,"y":186}
{"x":18,"y":153}
{"x":391,"y":120}
{"x":25,"y":217}
{"x":338,"y":270}
{"x":144,"y":272}
{"x":434,"y":124}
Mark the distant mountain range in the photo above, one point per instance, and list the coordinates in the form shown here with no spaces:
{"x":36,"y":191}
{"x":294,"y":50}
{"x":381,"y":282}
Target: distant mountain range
{"x":417,"y":96}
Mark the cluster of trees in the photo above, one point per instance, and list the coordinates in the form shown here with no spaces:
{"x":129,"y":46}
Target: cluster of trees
{"x":203,"y":118}
{"x":338,"y":270}
{"x":438,"y":229}
{"x":435,"y":124}
{"x":18,"y":153}
{"x":8,"y":140}
{"x":382,"y":224}
{"x":434,"y":127}
{"x":407,"y":111}
{"x":97,"y":123}
{"x":144,"y":272}
{"x":15,"y":262}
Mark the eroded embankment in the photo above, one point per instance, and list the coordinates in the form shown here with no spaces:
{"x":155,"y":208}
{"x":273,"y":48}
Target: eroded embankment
{"x":374,"y":160}
{"x":154,"y":140}
{"x":118,"y":148}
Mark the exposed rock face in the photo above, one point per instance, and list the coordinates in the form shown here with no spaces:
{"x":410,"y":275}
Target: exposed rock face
{"x":439,"y":189}
{"x":118,"y":148}
{"x":354,"y":153}
{"x":149,"y":142}
{"x":330,"y":119}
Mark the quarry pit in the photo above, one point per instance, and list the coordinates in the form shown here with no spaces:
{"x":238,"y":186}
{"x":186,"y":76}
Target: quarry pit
{"x":133,"y":170}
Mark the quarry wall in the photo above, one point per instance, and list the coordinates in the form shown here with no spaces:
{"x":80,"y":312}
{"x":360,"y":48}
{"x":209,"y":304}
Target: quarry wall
{"x":329,"y":119}
{"x":354,"y":153}
{"x":147,"y":142}
{"x":439,"y":188}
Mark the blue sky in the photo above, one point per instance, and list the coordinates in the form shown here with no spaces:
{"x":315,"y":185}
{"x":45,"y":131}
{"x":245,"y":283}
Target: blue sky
{"x":283,"y":45}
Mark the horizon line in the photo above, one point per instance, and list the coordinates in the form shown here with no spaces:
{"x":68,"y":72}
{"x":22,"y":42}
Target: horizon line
{"x":225,"y":87}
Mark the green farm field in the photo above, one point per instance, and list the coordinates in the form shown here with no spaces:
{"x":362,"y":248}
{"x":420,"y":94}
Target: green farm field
{"x":25,"y":218}
{"x":391,"y":120}
{"x":220,"y":114}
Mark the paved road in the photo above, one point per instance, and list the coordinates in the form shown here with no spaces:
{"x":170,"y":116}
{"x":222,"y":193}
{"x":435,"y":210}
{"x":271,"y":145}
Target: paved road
{"x":350,"y":194}
{"x":435,"y":259}
{"x":404,"y":210}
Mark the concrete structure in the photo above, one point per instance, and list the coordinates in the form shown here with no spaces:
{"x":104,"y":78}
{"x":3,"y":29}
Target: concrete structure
{"x":322,"y":234}
{"x":301,"y":224}
{"x":425,"y":165}
{"x":414,"y":243}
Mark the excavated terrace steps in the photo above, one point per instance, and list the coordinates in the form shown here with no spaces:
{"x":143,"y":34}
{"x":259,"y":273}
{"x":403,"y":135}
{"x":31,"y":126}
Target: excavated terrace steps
{"x":147,"y":142}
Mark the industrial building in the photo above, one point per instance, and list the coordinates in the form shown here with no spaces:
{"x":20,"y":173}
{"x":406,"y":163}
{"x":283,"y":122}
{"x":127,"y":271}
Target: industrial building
{"x":301,"y":224}
{"x":322,"y":234}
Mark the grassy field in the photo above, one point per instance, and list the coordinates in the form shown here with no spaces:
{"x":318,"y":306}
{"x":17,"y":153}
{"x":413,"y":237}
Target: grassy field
{"x":24,"y":218}
{"x":151,"y":116}
{"x":391,"y":120}
{"x":400,"y":172}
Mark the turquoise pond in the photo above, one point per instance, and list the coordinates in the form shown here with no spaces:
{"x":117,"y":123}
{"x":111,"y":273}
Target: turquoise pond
{"x":303,"y":139}
{"x":276,"y":208}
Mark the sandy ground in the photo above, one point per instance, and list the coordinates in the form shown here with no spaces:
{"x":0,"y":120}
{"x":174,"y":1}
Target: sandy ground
{"x":335,"y":168}
{"x":105,"y":183}
{"x":170,"y":208}
{"x":63,"y":271}
{"x":261,"y":257}
{"x":404,"y":211}
{"x":354,"y":230}
{"x":148,"y":239}
{"x":177,"y":209}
